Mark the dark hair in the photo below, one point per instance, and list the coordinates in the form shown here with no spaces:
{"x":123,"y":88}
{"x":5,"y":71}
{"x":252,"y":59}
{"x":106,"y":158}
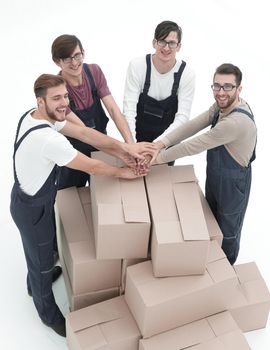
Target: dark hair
{"x":228,"y":68}
{"x":164,"y":28}
{"x":64,"y":45}
{"x":46,"y":81}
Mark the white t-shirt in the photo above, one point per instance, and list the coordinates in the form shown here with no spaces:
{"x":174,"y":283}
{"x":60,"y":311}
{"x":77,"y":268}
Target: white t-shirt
{"x":39,"y":152}
{"x":160,"y":88}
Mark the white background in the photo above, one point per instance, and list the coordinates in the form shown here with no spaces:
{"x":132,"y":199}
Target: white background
{"x":112,"y":33}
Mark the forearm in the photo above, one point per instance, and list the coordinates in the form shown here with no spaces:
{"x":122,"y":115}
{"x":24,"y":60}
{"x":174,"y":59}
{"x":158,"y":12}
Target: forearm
{"x":187,"y":130}
{"x":93,"y":166}
{"x":123,"y":127}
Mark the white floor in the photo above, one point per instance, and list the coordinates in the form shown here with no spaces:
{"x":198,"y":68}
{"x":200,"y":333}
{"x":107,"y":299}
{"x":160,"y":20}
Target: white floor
{"x":113,"y":32}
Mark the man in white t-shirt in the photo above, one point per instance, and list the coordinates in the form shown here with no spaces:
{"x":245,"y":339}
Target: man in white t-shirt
{"x":159,"y":89}
{"x":40,"y":148}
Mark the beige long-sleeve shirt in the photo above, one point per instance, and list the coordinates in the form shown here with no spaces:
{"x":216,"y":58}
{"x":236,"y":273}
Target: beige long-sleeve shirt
{"x":236,"y":131}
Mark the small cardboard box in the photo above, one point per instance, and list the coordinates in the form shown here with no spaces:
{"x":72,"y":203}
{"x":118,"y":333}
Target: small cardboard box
{"x":120,"y":214}
{"x":217,"y":332}
{"x":86,"y":273}
{"x":251,"y":309}
{"x":125,"y":264}
{"x":214,"y":230}
{"x":180,"y":238}
{"x":79,"y":301}
{"x":105,"y":326}
{"x":160,"y":304}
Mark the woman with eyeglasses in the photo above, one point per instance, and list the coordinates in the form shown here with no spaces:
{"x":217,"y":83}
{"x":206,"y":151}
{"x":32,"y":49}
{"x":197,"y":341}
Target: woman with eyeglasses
{"x":230,"y":144}
{"x":87,"y":87}
{"x":159,"y":88}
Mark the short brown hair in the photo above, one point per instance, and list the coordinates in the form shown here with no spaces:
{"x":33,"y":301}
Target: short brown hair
{"x":46,"y":81}
{"x":64,"y":45}
{"x":228,"y":68}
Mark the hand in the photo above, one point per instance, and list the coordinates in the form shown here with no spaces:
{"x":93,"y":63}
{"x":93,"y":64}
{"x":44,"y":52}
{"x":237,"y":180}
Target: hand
{"x":150,"y":158}
{"x":128,"y":173}
{"x":136,"y":150}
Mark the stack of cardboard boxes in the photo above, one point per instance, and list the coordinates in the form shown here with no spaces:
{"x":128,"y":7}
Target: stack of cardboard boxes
{"x":144,"y":268}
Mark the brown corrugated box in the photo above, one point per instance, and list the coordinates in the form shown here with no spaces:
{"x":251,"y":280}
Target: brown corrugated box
{"x":160,"y":304}
{"x":125,"y":264}
{"x":105,"y":326}
{"x":120,"y":213}
{"x":180,"y":238}
{"x":217,"y":332}
{"x":86,"y":273}
{"x":79,"y":301}
{"x":251,"y":309}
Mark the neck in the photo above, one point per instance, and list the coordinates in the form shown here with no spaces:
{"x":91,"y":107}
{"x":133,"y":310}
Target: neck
{"x":231,"y":107}
{"x":73,"y":80}
{"x":40,"y":115}
{"x":161,"y":66}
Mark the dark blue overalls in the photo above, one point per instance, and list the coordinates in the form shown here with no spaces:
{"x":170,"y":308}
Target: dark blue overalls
{"x":93,"y":117}
{"x":227,"y":192}
{"x":34,"y":217}
{"x":153,"y":116}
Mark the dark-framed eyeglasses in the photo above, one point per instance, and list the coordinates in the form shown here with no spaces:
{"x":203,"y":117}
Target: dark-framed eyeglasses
{"x":171,"y":44}
{"x":225,"y":87}
{"x":77,"y":57}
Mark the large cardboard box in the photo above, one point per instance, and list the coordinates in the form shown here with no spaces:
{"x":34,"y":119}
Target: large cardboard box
{"x":86,"y":273}
{"x":217,"y":332}
{"x":214,"y":230}
{"x":251,"y":309}
{"x":160,"y":304}
{"x":120,"y":214}
{"x":180,"y":238}
{"x":79,"y":301}
{"x":105,"y":326}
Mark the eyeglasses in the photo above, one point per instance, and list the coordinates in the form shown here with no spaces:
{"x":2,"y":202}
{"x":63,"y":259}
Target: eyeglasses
{"x":164,"y":43}
{"x":225,"y":87}
{"x":77,"y":57}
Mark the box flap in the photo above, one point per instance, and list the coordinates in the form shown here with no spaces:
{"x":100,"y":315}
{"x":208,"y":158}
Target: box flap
{"x":190,"y":212}
{"x":247,"y":272}
{"x":96,"y":314}
{"x":134,"y":200}
{"x":182,"y":173}
{"x":72,"y":215}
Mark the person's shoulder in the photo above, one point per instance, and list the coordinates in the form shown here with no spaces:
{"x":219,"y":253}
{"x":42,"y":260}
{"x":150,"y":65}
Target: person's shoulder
{"x":138,"y":61}
{"x":188,"y":68}
{"x":94,"y":68}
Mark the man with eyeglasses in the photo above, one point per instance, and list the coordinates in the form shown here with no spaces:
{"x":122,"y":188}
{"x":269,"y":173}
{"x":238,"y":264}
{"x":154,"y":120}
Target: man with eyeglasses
{"x":159,"y":89}
{"x":230,"y":145}
{"x":87,"y":87}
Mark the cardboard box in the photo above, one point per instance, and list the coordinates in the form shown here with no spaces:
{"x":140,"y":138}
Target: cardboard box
{"x":125,"y":264}
{"x":160,"y":304}
{"x":120,"y":214}
{"x":105,"y":326}
{"x":217,"y":332}
{"x":79,"y":301}
{"x":251,"y":308}
{"x":86,"y":273}
{"x":180,"y":238}
{"x":214,"y":230}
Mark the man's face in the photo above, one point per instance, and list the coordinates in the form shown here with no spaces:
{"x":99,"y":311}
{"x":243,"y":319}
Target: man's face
{"x":228,"y":93}
{"x":72,"y":65}
{"x":167,"y":48}
{"x":55,"y":103}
